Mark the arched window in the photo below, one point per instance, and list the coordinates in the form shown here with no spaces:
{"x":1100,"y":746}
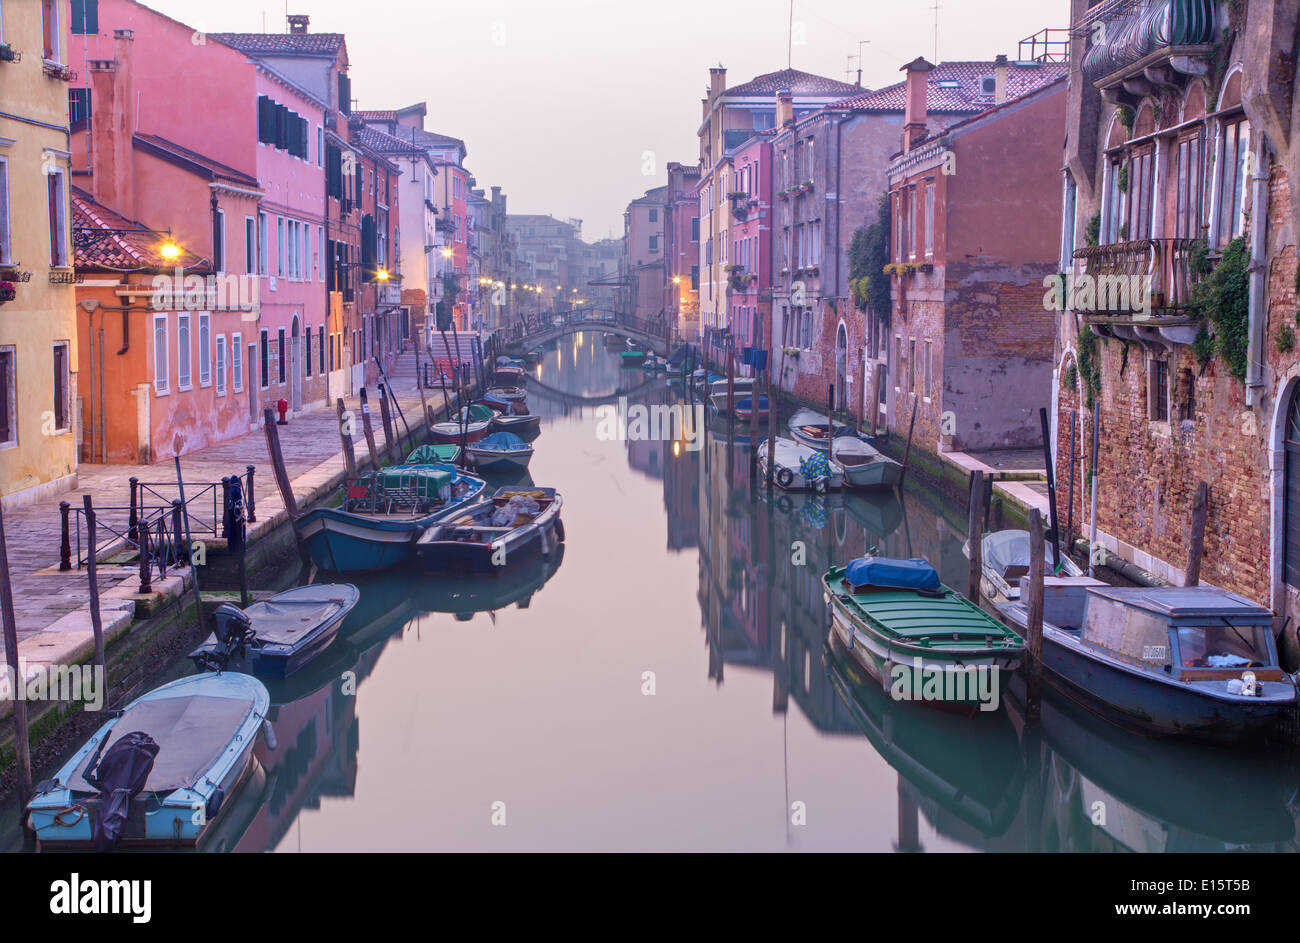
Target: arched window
{"x":1291,"y":511}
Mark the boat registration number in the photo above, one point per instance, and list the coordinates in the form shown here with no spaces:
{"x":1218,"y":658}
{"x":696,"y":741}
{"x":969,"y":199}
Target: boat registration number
{"x":1157,"y":653}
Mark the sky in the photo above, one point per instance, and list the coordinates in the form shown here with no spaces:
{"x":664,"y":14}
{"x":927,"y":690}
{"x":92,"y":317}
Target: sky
{"x":576,"y":107}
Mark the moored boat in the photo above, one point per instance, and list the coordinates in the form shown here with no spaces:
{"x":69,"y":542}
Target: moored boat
{"x":918,"y":638}
{"x":191,"y":741}
{"x":516,"y":395}
{"x":1195,"y":662}
{"x":864,"y":466}
{"x":742,"y":386}
{"x":799,"y":468}
{"x":500,"y":453}
{"x":277,"y":636}
{"x":815,"y":430}
{"x":746,"y":412}
{"x":468,"y":424}
{"x":493,"y":535}
{"x":527,"y":426}
{"x":1004,"y":559}
{"x":632,"y":358}
{"x":444,"y":453}
{"x":382,"y":514}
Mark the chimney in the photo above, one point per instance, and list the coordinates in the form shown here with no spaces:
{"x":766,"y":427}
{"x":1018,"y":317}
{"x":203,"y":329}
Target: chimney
{"x":784,"y":108}
{"x":914,"y":127}
{"x":717,"y":82}
{"x":112,"y":127}
{"x":999,"y":80}
{"x":298,"y":22}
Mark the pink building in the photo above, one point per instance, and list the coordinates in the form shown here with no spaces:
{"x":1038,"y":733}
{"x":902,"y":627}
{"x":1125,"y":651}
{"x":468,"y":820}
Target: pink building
{"x":682,"y":250}
{"x":749,"y":281}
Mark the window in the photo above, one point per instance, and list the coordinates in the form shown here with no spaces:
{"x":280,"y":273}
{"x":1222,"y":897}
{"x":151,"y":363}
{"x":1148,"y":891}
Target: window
{"x":61,"y":385}
{"x":1114,"y":203}
{"x":654,"y":215}
{"x":219,"y":241}
{"x":1188,"y":218}
{"x":654,"y":243}
{"x":237,"y":362}
{"x":78,"y":105}
{"x":695,"y":229}
{"x":263,"y":247}
{"x":320,"y":349}
{"x":293,"y":249}
{"x":1291,"y":509}
{"x":160,"y":367}
{"x":6,"y":239}
{"x":1234,"y":144}
{"x":85,"y":17}
{"x":320,"y":253}
{"x":221,"y":364}
{"x":306,"y":340}
{"x":929,"y":220}
{"x":205,"y":349}
{"x":250,"y":245}
{"x":279,"y":246}
{"x":265,"y":354}
{"x":57,"y":207}
{"x":911,"y":364}
{"x":929,"y":368}
{"x":183,"y":351}
{"x":50,"y":30}
{"x":1138,"y":225}
{"x":8,"y":397}
{"x":320,"y":146}
{"x":1158,"y":391}
{"x":279,"y":350}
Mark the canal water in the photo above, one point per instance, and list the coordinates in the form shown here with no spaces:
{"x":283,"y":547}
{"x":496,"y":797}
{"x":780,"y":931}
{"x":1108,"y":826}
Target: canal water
{"x":666,"y":684}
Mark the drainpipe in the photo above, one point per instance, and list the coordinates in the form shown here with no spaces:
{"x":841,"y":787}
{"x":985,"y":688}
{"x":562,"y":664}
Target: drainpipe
{"x":1258,"y":286}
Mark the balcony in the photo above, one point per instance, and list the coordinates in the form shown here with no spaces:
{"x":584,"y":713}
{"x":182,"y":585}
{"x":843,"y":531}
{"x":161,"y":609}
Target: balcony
{"x":1138,"y":43}
{"x":1145,"y":285}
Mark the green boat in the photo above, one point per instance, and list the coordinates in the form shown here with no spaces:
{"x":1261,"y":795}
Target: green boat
{"x":436,"y":454}
{"x":917,"y":637}
{"x":632,"y":357}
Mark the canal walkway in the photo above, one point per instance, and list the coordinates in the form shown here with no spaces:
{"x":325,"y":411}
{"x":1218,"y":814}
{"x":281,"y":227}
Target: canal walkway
{"x":52,"y":606}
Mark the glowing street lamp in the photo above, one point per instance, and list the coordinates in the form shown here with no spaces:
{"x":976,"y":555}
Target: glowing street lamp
{"x":170,"y":250}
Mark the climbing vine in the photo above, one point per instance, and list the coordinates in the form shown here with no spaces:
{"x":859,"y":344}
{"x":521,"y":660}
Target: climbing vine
{"x":1089,"y":370}
{"x":1223,"y":299}
{"x":868,"y":256}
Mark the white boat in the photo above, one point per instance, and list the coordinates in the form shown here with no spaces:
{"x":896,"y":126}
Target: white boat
{"x":791,"y":469}
{"x":1004,"y":559}
{"x":744,"y":386}
{"x":864,"y":466}
{"x":815,"y":430}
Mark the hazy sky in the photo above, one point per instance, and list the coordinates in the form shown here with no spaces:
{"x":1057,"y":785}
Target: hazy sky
{"x":559,"y":101}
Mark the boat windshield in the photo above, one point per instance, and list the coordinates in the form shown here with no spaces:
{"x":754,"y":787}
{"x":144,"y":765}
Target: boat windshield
{"x":1223,"y":646}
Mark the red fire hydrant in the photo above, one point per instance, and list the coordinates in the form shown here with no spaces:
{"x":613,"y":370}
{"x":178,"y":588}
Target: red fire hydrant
{"x":283,"y":406}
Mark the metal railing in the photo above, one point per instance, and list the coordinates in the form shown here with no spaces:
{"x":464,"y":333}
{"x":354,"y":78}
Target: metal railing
{"x":1155,"y":276}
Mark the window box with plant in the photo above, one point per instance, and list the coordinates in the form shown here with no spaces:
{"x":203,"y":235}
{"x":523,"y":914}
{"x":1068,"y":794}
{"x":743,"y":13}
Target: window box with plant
{"x":56,"y":71}
{"x":8,"y":290}
{"x":9,"y":54}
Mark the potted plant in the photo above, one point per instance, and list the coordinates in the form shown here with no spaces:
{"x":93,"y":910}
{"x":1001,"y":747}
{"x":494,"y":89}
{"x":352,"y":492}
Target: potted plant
{"x":8,"y":53}
{"x":7,"y":292}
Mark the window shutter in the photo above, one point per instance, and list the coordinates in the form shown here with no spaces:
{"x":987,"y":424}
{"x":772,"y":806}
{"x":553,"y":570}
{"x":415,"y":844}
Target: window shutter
{"x":345,"y":94}
{"x":263,"y":120}
{"x":369,"y":241}
{"x":85,"y":17}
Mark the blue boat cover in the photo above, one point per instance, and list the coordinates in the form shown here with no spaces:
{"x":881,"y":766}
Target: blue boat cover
{"x":748,"y":403}
{"x":887,"y":573}
{"x":502,"y":442}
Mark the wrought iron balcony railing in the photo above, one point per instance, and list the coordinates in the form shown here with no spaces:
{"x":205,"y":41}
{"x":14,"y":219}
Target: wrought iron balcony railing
{"x":1147,"y":277}
{"x":1122,"y":33}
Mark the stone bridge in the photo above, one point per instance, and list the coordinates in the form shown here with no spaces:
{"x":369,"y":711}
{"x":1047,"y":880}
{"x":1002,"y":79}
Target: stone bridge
{"x":649,"y":334}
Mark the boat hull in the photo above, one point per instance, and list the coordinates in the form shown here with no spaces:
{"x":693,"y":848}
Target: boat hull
{"x":277,"y":665}
{"x":1153,"y":707}
{"x":881,"y":474}
{"x":538,"y":538}
{"x":449,"y":433}
{"x":525,"y":427}
{"x":499,"y":463}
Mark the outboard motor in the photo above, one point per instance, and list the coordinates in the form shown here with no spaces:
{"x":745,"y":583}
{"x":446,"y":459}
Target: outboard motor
{"x":234,"y":631}
{"x":119,"y":775}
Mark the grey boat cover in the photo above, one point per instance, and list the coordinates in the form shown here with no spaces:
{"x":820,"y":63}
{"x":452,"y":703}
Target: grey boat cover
{"x":191,"y":733}
{"x":282,"y":621}
{"x":1004,"y":549}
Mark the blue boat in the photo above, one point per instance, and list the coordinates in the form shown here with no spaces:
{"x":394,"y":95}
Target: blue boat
{"x":205,"y":727}
{"x":276,"y":637}
{"x":501,"y":453}
{"x":1193,"y":662}
{"x":517,"y":525}
{"x":382,"y":515}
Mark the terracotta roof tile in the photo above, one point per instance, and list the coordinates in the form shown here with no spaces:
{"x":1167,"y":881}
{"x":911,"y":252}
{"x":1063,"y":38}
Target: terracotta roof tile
{"x":794,"y":81}
{"x":955,"y":87}
{"x":284,"y":44}
{"x":133,"y":248}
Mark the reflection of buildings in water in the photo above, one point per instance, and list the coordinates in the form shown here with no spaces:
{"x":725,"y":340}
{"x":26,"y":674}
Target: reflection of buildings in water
{"x":682,"y":499}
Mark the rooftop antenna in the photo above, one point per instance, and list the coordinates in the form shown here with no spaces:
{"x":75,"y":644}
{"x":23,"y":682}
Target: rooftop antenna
{"x":848,"y":67}
{"x":789,"y":43}
{"x":861,"y":43}
{"x":935,"y":8}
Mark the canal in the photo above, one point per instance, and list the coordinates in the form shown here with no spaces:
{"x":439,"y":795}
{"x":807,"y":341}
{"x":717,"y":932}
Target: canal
{"x":666,"y":684}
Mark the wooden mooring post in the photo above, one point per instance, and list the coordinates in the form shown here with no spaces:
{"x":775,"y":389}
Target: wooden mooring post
{"x":392,"y":447}
{"x":349,"y":453}
{"x":21,"y":747}
{"x":96,"y":621}
{"x":874,"y":402}
{"x":282,"y":480}
{"x":1034,"y":624}
{"x":907,"y":450}
{"x":368,"y":429}
{"x":975,"y":529}
{"x":1196,"y":540}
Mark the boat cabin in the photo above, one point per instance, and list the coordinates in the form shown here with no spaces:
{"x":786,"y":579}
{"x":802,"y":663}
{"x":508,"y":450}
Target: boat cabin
{"x":1194,"y":633}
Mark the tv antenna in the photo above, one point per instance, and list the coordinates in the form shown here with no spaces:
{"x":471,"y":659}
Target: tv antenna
{"x":935,"y":8}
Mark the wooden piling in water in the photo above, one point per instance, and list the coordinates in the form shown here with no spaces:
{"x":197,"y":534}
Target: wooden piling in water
{"x":731,"y":384}
{"x":907,"y":451}
{"x":146,"y":572}
{"x":349,"y":453}
{"x":21,"y":747}
{"x":277,"y":462}
{"x":368,"y":430}
{"x":96,"y":621}
{"x":419,"y":382}
{"x":1034,"y":624}
{"x":1050,"y":461}
{"x":391,"y":445}
{"x":975,"y":528}
{"x":1196,"y":540}
{"x":875,"y":398}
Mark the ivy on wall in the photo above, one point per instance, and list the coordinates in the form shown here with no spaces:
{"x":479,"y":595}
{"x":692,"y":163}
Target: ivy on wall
{"x":868,"y":256}
{"x":1223,"y":299}
{"x":1089,"y":370}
